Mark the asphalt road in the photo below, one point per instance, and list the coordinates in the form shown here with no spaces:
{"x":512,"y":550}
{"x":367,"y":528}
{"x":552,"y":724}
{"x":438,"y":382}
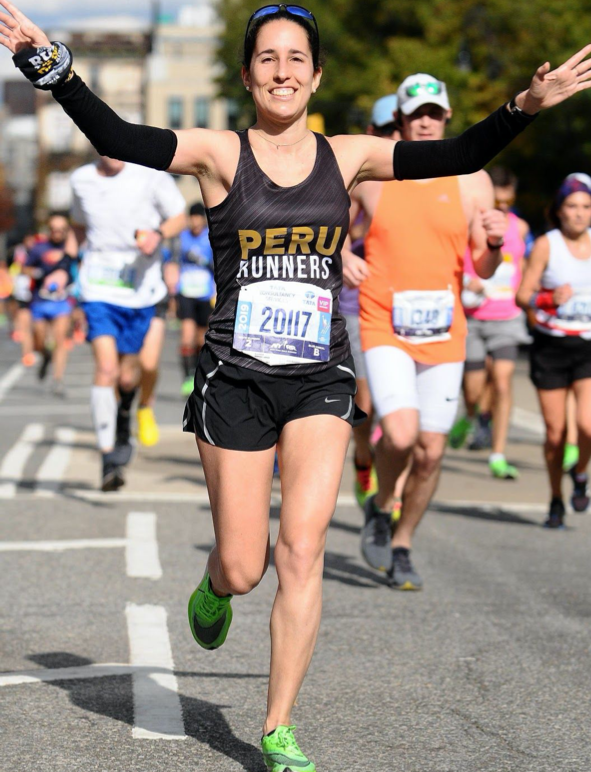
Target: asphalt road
{"x":486,"y":670}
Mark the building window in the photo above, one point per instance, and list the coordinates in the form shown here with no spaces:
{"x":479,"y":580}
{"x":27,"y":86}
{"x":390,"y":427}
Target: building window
{"x":201,"y":112}
{"x":175,"y":112}
{"x":233,"y":113}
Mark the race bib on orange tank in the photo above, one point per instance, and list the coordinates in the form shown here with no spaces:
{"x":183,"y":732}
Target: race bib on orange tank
{"x":423,"y":316}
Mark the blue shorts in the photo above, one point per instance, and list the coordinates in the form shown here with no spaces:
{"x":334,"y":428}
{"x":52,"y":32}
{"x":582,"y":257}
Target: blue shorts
{"x":46,"y":310}
{"x":128,"y":326}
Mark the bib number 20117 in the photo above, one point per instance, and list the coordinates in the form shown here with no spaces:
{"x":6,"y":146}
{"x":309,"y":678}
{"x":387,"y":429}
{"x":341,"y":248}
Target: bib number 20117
{"x":285,"y":322}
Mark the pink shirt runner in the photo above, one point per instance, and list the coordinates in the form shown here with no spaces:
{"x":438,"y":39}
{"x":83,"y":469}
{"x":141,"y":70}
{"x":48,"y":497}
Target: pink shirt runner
{"x":501,"y":288}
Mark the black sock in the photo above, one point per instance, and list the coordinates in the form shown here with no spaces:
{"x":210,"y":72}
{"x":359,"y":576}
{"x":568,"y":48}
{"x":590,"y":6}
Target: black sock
{"x":188,"y":360}
{"x":484,"y":419}
{"x":124,"y":415}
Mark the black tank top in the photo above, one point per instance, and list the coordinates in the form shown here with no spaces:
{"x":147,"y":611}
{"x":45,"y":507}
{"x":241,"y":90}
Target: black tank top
{"x":263,"y":232}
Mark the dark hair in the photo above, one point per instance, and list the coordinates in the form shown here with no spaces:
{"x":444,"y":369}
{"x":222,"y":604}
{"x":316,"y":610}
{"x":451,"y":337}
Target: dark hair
{"x":197,"y":208}
{"x":64,"y":215}
{"x":567,"y":188}
{"x":254,"y":29}
{"x":503,"y":178}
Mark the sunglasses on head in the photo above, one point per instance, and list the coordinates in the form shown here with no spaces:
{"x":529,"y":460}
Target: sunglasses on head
{"x":432,"y":89}
{"x":293,"y":10}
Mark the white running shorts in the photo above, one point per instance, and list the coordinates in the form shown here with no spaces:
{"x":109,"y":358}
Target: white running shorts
{"x":396,"y":382}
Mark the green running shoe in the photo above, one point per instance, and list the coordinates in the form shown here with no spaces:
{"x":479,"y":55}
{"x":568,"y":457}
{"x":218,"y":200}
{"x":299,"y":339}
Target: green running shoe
{"x":571,"y":456}
{"x":459,"y":432}
{"x":502,"y":470}
{"x":210,"y":616}
{"x":187,"y":387}
{"x":281,"y":752}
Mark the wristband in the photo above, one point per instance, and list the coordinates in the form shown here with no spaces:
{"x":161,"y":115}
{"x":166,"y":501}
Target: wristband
{"x":543,"y":300}
{"x":47,"y":66}
{"x":493,"y":247}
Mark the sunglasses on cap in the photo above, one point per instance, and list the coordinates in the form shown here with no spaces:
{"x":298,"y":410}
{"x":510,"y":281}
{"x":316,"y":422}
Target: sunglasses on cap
{"x":431,"y":89}
{"x":293,"y":10}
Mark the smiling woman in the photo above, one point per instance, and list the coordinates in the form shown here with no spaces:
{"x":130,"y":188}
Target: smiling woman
{"x":276,"y":370}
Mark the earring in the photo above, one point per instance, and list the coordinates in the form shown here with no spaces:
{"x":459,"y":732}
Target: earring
{"x":247,"y":88}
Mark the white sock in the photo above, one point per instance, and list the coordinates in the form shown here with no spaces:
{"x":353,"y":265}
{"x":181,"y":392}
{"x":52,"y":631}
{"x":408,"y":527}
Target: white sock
{"x":103,"y":405}
{"x":496,"y":457}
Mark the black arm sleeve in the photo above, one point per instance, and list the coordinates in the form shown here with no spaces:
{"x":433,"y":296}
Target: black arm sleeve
{"x":110,"y":134}
{"x":466,"y":154}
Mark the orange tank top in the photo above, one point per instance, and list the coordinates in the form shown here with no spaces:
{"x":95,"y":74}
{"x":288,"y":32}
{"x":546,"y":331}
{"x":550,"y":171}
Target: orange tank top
{"x":415,"y":249}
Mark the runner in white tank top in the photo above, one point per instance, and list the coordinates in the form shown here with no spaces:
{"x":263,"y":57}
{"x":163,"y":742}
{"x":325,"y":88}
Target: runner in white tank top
{"x":557,"y":285}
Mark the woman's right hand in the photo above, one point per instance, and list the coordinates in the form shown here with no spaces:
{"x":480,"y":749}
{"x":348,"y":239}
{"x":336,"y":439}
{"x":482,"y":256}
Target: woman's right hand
{"x":562,"y":294}
{"x":17,"y":31}
{"x":355,"y":269}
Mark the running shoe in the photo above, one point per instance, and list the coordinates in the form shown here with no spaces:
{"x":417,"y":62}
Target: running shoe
{"x":29,"y":360}
{"x":124,"y":452}
{"x":459,"y":432}
{"x":58,"y":389}
{"x":366,"y":483}
{"x":281,"y":752}
{"x":112,"y":475}
{"x":580,"y":497}
{"x":555,"y":515}
{"x":376,"y":536}
{"x":147,"y":429}
{"x":402,"y":574}
{"x":482,"y":439}
{"x":209,"y":615}
{"x":45,"y":362}
{"x":187,"y":387}
{"x":571,"y":456}
{"x":501,"y":469}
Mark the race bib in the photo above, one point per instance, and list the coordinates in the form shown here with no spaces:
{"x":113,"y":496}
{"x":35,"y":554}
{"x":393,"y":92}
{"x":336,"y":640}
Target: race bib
{"x":500,"y":285}
{"x":111,"y":270}
{"x":284,"y":323}
{"x":423,"y":316}
{"x":22,"y":288}
{"x":576,"y":310}
{"x":196,"y":283}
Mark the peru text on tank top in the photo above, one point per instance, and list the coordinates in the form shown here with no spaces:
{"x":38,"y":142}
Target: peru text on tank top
{"x":573,"y":317}
{"x":278,"y":268}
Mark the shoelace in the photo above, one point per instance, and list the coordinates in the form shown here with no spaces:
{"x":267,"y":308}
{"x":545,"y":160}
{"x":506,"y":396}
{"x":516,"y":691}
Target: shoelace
{"x":285,"y":739}
{"x":402,"y":560}
{"x":382,"y":528}
{"x":210,"y":605}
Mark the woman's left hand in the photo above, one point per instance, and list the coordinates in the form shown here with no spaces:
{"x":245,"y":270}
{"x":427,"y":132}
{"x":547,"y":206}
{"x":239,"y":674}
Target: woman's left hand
{"x":551,"y":87}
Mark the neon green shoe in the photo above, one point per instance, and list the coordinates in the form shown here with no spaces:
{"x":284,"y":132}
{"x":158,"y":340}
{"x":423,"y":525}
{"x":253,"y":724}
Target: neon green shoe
{"x":210,"y":616}
{"x":502,"y":470}
{"x":366,"y":483}
{"x":459,"y":432}
{"x":281,"y":752}
{"x":187,"y":387}
{"x":571,"y":456}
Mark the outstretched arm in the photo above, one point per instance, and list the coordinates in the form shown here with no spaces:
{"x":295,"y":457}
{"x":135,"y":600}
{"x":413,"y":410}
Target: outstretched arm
{"x":48,"y":66}
{"x":481,"y":143}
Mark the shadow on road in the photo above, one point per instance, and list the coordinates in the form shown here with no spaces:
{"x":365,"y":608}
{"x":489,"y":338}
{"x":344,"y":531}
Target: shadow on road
{"x":494,"y":514}
{"x":204,"y":721}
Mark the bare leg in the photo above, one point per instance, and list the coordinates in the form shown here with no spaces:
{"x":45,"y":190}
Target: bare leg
{"x":420,"y":486}
{"x":362,"y":434}
{"x":582,"y":392}
{"x":60,"y":327}
{"x":23,"y":323}
{"x":502,"y":378}
{"x":474,"y":386}
{"x":149,"y":360}
{"x":312,"y":455}
{"x":572,"y":436}
{"x":553,"y":407}
{"x":393,"y":452}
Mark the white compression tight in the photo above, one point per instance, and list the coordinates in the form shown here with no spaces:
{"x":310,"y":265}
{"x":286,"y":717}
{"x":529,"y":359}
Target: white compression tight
{"x":104,"y":415}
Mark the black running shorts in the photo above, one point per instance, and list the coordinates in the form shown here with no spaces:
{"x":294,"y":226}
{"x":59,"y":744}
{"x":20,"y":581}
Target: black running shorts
{"x":238,"y":408}
{"x":556,"y":362}
{"x":193,"y":308}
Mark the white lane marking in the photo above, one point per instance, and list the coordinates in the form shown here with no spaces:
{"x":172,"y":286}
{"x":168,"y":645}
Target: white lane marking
{"x":16,"y":459}
{"x":10,"y":411}
{"x":11,"y":377}
{"x":528,"y":420}
{"x":141,"y":553}
{"x":61,"y":546}
{"x":49,"y":476}
{"x":157,"y":708}
{"x":42,"y":676}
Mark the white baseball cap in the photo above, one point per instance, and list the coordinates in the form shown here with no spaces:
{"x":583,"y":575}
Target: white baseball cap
{"x":383,"y":110}
{"x":580,"y":177}
{"x":421,"y":89}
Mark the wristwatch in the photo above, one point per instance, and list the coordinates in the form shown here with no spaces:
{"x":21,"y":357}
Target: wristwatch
{"x":513,"y":107}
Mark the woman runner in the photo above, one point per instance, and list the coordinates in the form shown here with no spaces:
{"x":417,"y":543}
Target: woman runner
{"x":276,"y":368}
{"x":557,"y":285}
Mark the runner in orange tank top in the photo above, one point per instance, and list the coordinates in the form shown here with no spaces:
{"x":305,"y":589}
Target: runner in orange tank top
{"x":413,"y":328}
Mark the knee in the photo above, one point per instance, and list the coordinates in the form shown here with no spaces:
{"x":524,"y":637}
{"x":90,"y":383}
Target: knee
{"x":428,"y":460}
{"x":398,"y":439}
{"x":241,"y":577}
{"x":584,"y":430}
{"x":299,"y":560}
{"x":503,"y":388}
{"x":555,"y":437}
{"x":127,"y":381}
{"x":107,"y":373}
